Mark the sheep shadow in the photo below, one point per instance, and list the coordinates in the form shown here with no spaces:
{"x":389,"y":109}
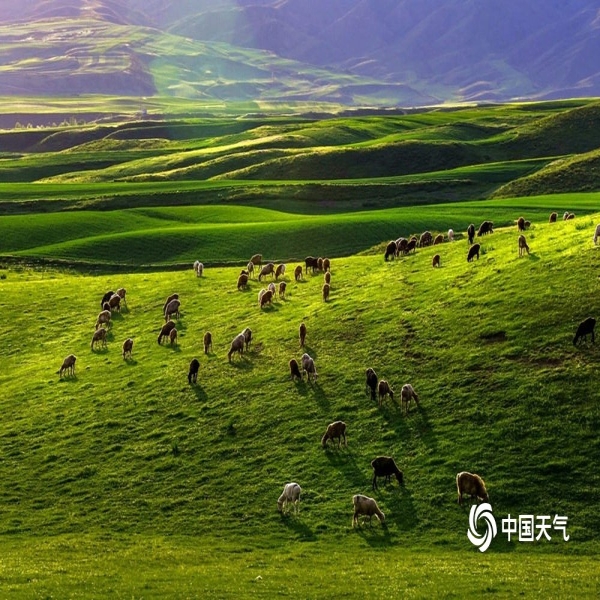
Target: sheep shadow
{"x":130,"y":362}
{"x":243,"y":364}
{"x":401,"y":508}
{"x":310,"y":351}
{"x":301,"y":529}
{"x":101,"y":350}
{"x":375,"y":534}
{"x":269,"y":308}
{"x":319,"y":395}
{"x":174,"y":348}
{"x":426,"y":431}
{"x":198,"y":392}
{"x":67,"y":379}
{"x":344,"y":461}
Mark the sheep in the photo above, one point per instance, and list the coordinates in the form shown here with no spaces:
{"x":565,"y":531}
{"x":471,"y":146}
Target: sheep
{"x":401,"y":245}
{"x":371,"y":383}
{"x":485,"y":227}
{"x":115,"y":302}
{"x":261,"y":293}
{"x":242,"y":281}
{"x":250,"y":268}
{"x":384,"y":389}
{"x":384,"y":466}
{"x":237,"y":345}
{"x":328,"y":278}
{"x":325,"y":292}
{"x":473,"y":251}
{"x":363,"y":505}
{"x":566,"y":216}
{"x":168,"y":300}
{"x":198,"y":268}
{"x":435,"y":261}
{"x":290,"y":495}
{"x":247,"y":333}
{"x":106,"y":306}
{"x":172,"y":309}
{"x":271,"y":287}
{"x":279,"y":271}
{"x":521,"y":224}
{"x":193,"y":371}
{"x":310,"y":262}
{"x":390,"y":251}
{"x":298,"y":273}
{"x":127,"y":348}
{"x":106,"y":298}
{"x":335,"y":430}
{"x":266,"y":298}
{"x":122,"y":292}
{"x":302,"y":334}
{"x":406,"y":395}
{"x":68,"y":366}
{"x":471,"y":484}
{"x":308,"y":367}
{"x":412,"y":245}
{"x":471,"y":233}
{"x":326,"y":265}
{"x":585,"y":327}
{"x":173,"y":337}
{"x":256,"y":259}
{"x":523,"y":245}
{"x":426,"y":239}
{"x":552,"y":218}
{"x":207,"y":342}
{"x":527,"y":224}
{"x":450,"y":235}
{"x":439,"y":239}
{"x":596,"y":234}
{"x":165,"y":330}
{"x":570,"y":216}
{"x":99,"y":336}
{"x":268,"y":269}
{"x":282,"y":288}
{"x":294,"y":370}
{"x":319,"y":264}
{"x":104,"y":319}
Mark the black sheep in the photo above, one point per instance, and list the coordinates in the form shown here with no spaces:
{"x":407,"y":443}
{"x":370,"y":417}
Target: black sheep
{"x":193,"y":372}
{"x":473,"y":251}
{"x":106,"y":298}
{"x":371,"y":383}
{"x":585,"y":327}
{"x":390,"y":250}
{"x":471,"y":233}
{"x":384,"y":466}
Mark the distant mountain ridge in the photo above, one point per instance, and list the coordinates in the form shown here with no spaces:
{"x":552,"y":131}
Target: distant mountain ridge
{"x":415,"y":51}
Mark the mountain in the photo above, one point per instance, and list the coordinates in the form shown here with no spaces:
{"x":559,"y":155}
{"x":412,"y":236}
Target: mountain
{"x":348,"y":51}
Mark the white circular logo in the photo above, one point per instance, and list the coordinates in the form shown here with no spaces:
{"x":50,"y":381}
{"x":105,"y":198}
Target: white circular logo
{"x":482,"y":511}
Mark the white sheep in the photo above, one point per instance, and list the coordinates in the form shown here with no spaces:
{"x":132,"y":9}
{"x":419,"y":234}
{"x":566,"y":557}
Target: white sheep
{"x":308,"y":367}
{"x":450,"y":235}
{"x":363,"y":505}
{"x":198,"y":268}
{"x":290,"y":495}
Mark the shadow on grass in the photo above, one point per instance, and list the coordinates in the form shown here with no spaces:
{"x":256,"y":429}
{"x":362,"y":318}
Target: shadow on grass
{"x":130,"y":362}
{"x":421,"y":421}
{"x":243,"y":364}
{"x":375,"y":534}
{"x":310,"y":351}
{"x":301,"y":529}
{"x":344,"y":461}
{"x":198,"y":391}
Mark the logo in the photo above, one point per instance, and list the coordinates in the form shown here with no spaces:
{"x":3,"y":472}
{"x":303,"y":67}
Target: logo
{"x":482,"y":511}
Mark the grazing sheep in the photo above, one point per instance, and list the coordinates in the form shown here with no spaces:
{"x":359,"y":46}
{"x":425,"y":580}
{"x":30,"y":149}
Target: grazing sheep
{"x":271,"y":287}
{"x":585,"y":327}
{"x":326,"y":265}
{"x":319,"y":264}
{"x":485,"y":228}
{"x":106,"y":306}
{"x":99,"y":336}
{"x":412,"y":245}
{"x":237,"y":345}
{"x":298,"y":273}
{"x":310,"y":262}
{"x":193,"y":371}
{"x":371,"y":383}
{"x":115,"y":302}
{"x":302,"y":334}
{"x":473,"y":251}
{"x":439,"y":239}
{"x":450,"y":235}
{"x":256,"y":259}
{"x":384,"y":466}
{"x":250,"y":269}
{"x":279,"y":271}
{"x":172,"y":309}
{"x":242,"y":281}
{"x":291,"y":495}
{"x":335,"y":430}
{"x":106,"y":298}
{"x":207,"y":342}
{"x":122,"y":292}
{"x":165,"y":330}
{"x":435,"y":261}
{"x":570,"y":216}
{"x":527,"y":224}
{"x":596,"y":234}
{"x":523,"y":245}
{"x":268,"y":269}
{"x":104,"y":319}
{"x":385,"y":389}
{"x":127,"y":348}
{"x":413,"y":239}
{"x":406,"y":395}
{"x":566,"y":216}
{"x":198,"y":268}
{"x":401,"y":244}
{"x":173,"y":337}
{"x":471,"y":484}
{"x":363,"y":505}
{"x":294,"y":370}
{"x":282,"y":288}
{"x":325,"y":292}
{"x":521,"y":224}
{"x":471,"y":233}
{"x":328,"y":278}
{"x":266,"y":298}
{"x":247,"y":333}
{"x":168,"y":300}
{"x":308,"y":367}
{"x":261,"y":293}
{"x":553,"y":217}
{"x":68,"y":366}
{"x":390,"y":250}
{"x":426,"y":239}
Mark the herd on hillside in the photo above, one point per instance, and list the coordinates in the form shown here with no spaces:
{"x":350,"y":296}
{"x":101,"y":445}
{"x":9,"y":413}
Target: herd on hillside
{"x":469,"y":484}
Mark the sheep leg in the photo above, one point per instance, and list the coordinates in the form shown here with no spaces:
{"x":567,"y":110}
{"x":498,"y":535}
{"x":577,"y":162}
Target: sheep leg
{"x":374,"y":483}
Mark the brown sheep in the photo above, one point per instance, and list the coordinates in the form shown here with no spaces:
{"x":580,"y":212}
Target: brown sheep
{"x":298,"y":273}
{"x":207,"y":342}
{"x":237,"y":345}
{"x":271,"y":287}
{"x":165,"y":330}
{"x":436,"y":261}
{"x":106,"y":298}
{"x":127,"y":348}
{"x":261,"y":293}
{"x":172,"y":309}
{"x":115,"y":302}
{"x":471,"y":484}
{"x":106,"y":306}
{"x":363,"y":505}
{"x":247,"y":333}
{"x":122,"y":292}
{"x":310,"y":262}
{"x":473,"y":251}
{"x":325,"y":292}
{"x":193,"y":371}
{"x":319,"y":264}
{"x":173,"y":337}
{"x":412,"y":245}
{"x":439,"y":239}
{"x":335,"y":430}
{"x":328,"y":278}
{"x":521,"y":224}
{"x":279,"y":271}
{"x":295,"y":370}
{"x":250,"y":269}
{"x":552,"y":218}
{"x":570,"y":216}
{"x":266,"y":298}
{"x":256,"y":259}
{"x":390,"y":251}
{"x":104,"y":319}
{"x":326,"y":264}
{"x":523,"y":245}
{"x":308,"y":367}
{"x":471,"y":233}
{"x":371,"y":383}
{"x":407,"y":393}
{"x":385,"y":389}
{"x":426,"y":239}
{"x":268,"y":269}
{"x":282,"y":288}
{"x":401,"y":244}
{"x":99,"y":336}
{"x":527,"y":224}
{"x":485,"y":227}
{"x":302,"y":334}
{"x":170,"y":299}
{"x":242,"y":282}
{"x":68,"y":365}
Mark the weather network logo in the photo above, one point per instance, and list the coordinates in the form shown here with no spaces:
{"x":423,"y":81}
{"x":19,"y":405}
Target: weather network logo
{"x":482,"y":512}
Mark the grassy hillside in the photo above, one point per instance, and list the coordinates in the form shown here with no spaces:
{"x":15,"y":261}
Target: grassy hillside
{"x":126,"y":454}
